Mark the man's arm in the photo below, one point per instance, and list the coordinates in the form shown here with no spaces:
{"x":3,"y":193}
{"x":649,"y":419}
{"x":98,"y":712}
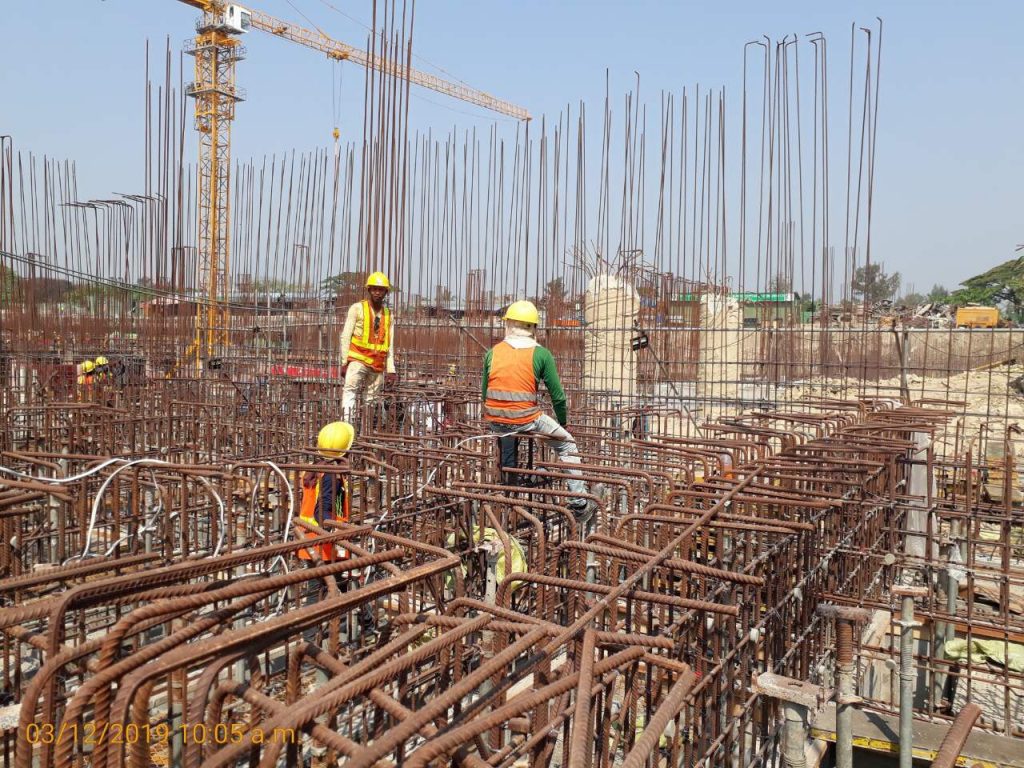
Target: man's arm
{"x":544,"y":369}
{"x":348,"y":330}
{"x":486,"y":376}
{"x":390,"y":367}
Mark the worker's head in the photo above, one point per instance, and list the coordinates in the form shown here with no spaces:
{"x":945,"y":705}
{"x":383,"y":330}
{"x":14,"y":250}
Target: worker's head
{"x":88,"y":366}
{"x":522,"y":315}
{"x":335,"y":439}
{"x":101,"y":362}
{"x":378,"y":285}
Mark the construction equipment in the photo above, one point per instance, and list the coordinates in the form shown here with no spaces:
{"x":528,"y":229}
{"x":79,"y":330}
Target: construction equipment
{"x":977,"y":317}
{"x":216,"y":50}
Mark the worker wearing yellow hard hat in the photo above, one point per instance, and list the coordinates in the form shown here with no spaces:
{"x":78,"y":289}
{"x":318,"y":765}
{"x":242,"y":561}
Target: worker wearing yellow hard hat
{"x":325,"y":494}
{"x":512,"y":370}
{"x":367,"y":345}
{"x":101,"y":369}
{"x":86,"y":379}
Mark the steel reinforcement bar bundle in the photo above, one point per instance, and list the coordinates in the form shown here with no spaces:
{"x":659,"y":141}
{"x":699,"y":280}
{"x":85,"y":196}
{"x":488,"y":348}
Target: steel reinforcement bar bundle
{"x":156,"y":609}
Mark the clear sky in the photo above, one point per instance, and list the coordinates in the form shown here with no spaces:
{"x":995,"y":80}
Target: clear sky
{"x":949,"y":195}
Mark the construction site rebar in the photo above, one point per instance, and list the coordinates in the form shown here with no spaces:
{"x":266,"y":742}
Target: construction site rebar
{"x":802,"y":502}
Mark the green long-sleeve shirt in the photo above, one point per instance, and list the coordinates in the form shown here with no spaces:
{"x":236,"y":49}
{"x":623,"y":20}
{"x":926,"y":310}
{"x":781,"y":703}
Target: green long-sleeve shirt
{"x":543,"y":370}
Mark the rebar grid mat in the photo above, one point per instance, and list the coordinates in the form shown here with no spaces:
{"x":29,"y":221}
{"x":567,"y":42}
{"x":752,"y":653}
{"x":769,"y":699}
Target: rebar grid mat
{"x":155,"y":609}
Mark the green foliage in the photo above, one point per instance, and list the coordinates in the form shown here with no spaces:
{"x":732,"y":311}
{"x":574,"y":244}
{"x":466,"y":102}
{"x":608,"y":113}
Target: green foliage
{"x":554,"y":293}
{"x":912,"y":299}
{"x":343,"y":284}
{"x":8,"y":284}
{"x":87,"y":295}
{"x":872,"y":285}
{"x":1003,"y":283}
{"x":938,"y":294}
{"x":274,"y":286}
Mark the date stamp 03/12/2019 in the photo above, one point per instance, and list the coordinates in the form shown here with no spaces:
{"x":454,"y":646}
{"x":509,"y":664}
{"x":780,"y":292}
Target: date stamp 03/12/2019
{"x":90,"y":734}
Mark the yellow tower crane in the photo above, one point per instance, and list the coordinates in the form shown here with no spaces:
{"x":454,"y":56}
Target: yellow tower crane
{"x":216,"y":50}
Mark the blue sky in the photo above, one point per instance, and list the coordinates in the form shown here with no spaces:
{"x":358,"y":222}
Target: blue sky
{"x":949,"y":197}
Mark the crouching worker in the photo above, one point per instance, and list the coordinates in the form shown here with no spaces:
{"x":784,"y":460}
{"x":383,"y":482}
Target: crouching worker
{"x":512,"y":370}
{"x":325,"y":494}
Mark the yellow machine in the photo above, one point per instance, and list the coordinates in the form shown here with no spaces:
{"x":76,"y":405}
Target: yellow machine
{"x":977,"y":317}
{"x":216,"y":50}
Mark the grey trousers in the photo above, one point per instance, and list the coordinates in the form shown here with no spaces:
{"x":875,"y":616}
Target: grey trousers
{"x":561,"y":442}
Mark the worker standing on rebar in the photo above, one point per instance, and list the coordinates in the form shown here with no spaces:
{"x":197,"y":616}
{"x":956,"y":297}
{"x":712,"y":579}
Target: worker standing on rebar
{"x":86,"y":379}
{"x":367,"y":349}
{"x":101,"y":370}
{"x":325,"y":494}
{"x":512,"y":370}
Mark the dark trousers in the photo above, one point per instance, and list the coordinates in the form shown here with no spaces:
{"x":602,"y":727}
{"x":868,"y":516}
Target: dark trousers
{"x":509,"y":455}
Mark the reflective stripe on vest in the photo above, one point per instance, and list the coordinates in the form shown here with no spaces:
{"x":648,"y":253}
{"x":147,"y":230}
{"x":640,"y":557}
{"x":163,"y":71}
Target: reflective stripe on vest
{"x":310,"y":512}
{"x":511,"y":386}
{"x":371,"y":348}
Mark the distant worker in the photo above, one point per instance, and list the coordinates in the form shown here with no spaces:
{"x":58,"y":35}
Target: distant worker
{"x":325,"y":494}
{"x":101,"y":369}
{"x":367,"y":349}
{"x":86,"y":378}
{"x":512,"y":369}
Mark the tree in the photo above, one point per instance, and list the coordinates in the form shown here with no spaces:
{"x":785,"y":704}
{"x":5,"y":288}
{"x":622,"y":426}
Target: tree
{"x":45,"y":289}
{"x":912,"y":299}
{"x":780,"y":284}
{"x":1002,"y":283}
{"x":274,"y":286}
{"x":343,"y":284}
{"x":554,"y":293}
{"x":938,"y":294}
{"x":872,"y":285}
{"x":8,"y":284}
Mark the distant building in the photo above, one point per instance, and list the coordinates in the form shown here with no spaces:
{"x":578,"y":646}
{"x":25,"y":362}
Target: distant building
{"x":767,"y":309}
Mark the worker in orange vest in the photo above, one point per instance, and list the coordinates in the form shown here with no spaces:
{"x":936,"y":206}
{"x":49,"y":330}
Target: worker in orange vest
{"x":367,"y":349}
{"x":325,"y":494}
{"x":512,"y":370}
{"x":86,"y":379}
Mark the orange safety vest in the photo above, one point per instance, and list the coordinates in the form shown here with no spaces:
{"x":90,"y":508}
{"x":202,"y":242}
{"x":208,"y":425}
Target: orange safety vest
{"x":310,"y":511}
{"x":371,"y":348}
{"x":85,"y":382}
{"x":511,"y":386}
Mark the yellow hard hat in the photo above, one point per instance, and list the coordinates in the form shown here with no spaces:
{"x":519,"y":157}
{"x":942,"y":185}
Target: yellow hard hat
{"x":378,"y":280}
{"x":101,"y":360}
{"x":523,"y":311}
{"x":87,"y":366}
{"x":335,"y":438}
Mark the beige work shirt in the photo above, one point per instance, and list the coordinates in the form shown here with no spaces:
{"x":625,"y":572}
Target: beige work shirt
{"x":354,"y":327}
